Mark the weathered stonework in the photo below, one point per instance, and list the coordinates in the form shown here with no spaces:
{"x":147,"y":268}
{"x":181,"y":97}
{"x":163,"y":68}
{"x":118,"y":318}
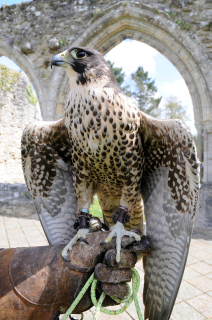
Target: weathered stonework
{"x":16,"y":111}
{"x":15,"y":200}
{"x":204,"y":209}
{"x":31,"y":33}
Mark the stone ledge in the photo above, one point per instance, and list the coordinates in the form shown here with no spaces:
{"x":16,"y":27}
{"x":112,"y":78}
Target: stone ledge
{"x":204,"y":208}
{"x":15,"y":200}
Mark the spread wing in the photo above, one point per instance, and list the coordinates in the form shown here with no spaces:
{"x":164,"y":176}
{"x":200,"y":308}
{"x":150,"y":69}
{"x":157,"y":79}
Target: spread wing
{"x":170,"y":190}
{"x":46,"y":150}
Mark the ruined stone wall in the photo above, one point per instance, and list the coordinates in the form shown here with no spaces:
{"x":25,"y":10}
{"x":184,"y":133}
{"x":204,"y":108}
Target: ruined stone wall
{"x":15,"y":200}
{"x":41,"y":28}
{"x":18,"y":107}
{"x":32,"y":32}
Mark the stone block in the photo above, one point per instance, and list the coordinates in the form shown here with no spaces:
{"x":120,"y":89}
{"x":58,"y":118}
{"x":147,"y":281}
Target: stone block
{"x":54,"y":44}
{"x":27,"y":47}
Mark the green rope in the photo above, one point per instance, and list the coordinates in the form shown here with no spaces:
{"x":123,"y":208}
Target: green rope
{"x":79,"y":297}
{"x":127,"y":301}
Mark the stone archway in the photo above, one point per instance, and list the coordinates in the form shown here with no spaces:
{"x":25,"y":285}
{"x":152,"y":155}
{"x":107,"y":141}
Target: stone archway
{"x":22,"y":60}
{"x":47,"y":25}
{"x":184,"y":52}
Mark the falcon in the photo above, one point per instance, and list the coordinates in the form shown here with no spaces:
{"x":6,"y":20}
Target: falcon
{"x":133,"y":162}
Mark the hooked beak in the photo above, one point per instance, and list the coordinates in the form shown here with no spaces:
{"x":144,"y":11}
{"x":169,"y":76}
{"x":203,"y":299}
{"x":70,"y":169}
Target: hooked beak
{"x":57,"y":61}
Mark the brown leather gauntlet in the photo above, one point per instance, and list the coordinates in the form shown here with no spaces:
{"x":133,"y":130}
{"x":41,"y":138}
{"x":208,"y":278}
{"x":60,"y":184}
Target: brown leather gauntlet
{"x":36,"y":282}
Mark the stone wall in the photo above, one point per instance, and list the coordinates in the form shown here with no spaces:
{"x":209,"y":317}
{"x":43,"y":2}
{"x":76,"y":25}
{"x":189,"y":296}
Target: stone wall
{"x":204,"y":208}
{"x":32,"y":32}
{"x":15,"y":200}
{"x":16,"y":111}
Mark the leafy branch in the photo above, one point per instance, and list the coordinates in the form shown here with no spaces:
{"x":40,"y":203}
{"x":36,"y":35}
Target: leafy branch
{"x":8,"y":78}
{"x":30,"y":96}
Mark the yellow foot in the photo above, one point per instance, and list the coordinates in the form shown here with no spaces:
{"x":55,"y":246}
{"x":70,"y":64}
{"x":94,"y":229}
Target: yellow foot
{"x":81,"y":234}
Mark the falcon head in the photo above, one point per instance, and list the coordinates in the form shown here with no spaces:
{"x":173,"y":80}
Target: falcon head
{"x":84,"y":65}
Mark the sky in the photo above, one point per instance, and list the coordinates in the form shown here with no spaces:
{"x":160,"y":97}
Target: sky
{"x":10,"y":2}
{"x":131,"y":54}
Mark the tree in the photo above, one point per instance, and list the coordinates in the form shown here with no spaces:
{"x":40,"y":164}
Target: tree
{"x":173,"y":109}
{"x":145,"y":91}
{"x":119,"y":75}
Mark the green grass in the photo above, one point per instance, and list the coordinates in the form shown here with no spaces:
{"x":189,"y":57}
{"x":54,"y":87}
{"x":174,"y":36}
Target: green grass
{"x":95,"y":208}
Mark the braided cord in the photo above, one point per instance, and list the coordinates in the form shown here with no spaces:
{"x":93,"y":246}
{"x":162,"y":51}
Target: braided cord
{"x":79,"y":297}
{"x":98,"y":304}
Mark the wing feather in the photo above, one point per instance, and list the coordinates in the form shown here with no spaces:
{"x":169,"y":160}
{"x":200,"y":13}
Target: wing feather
{"x":48,"y":174}
{"x":170,"y":188}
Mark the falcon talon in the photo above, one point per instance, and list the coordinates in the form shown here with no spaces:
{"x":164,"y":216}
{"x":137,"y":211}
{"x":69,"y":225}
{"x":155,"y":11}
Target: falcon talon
{"x":83,"y":240}
{"x":103,"y":242}
{"x":135,"y":243}
{"x":118,"y":258}
{"x":66,"y":259}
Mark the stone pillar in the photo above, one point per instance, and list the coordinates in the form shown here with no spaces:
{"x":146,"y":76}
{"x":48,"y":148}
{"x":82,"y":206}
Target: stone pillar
{"x":208,"y":153}
{"x":205,"y":157}
{"x":199,"y":146}
{"x":204,"y":206}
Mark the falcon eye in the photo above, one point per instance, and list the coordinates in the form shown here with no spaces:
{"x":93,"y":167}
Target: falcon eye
{"x":78,"y":54}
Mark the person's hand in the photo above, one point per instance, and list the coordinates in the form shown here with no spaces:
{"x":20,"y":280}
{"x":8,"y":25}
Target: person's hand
{"x":41,"y":283}
{"x":113,"y":277}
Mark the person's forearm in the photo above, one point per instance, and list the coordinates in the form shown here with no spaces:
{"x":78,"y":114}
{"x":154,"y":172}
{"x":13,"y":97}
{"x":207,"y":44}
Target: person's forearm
{"x":35,"y":282}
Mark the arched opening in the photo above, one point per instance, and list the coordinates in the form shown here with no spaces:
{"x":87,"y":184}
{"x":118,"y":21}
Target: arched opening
{"x":107,"y":32}
{"x":131,"y":54}
{"x":24,"y":63}
{"x":18,"y":107}
{"x":139,"y":22}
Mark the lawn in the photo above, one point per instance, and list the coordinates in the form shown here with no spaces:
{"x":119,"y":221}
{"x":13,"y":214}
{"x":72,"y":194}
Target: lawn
{"x":96,"y":210}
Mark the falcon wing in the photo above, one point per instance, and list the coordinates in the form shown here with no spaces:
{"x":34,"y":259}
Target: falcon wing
{"x":170,"y":190}
{"x":46,"y":150}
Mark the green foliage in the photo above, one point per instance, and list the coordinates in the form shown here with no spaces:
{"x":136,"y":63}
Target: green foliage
{"x":157,"y":8}
{"x":97,"y":12}
{"x":7,"y":79}
{"x":119,"y":75}
{"x":11,"y":41}
{"x":183,"y":24}
{"x":172,"y":14}
{"x":195,"y":140}
{"x":180,"y":21}
{"x":95,"y":208}
{"x":174,"y":110}
{"x":30,"y":96}
{"x":145,"y":91}
{"x":118,"y":72}
{"x":63,"y":44}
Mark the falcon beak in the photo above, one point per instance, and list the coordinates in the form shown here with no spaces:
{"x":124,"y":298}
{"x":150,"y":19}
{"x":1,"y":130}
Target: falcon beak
{"x":60,"y":59}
